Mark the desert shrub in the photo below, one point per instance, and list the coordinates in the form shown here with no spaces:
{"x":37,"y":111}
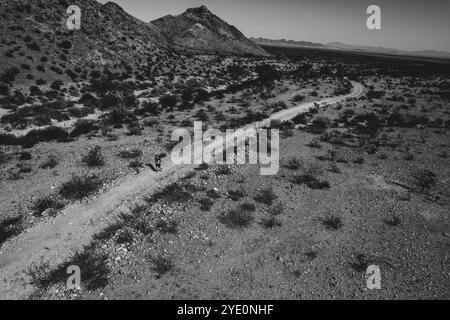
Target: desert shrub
{"x":10,"y":227}
{"x":311,"y":176}
{"x":137,"y":219}
{"x":25,"y":155}
{"x":42,"y":135}
{"x":124,"y":235}
{"x":33,"y":46}
{"x":236,"y":218}
{"x":161,"y":264}
{"x":393,"y":221}
{"x":222,"y":170}
{"x":236,"y":194}
{"x":205,"y":204}
{"x":298,"y":98}
{"x":314,"y":144}
{"x":165,"y":226}
{"x":168,"y":101}
{"x":213,"y":194}
{"x":50,"y":162}
{"x":359,"y":160}
{"x":276,"y":209}
{"x":94,"y":157}
{"x":173,"y":193}
{"x":424,"y":179}
{"x":56,"y":85}
{"x":270,"y":222}
{"x":293,"y":163}
{"x":130,"y":154}
{"x":302,"y":118}
{"x":79,"y":187}
{"x":91,"y":260}
{"x":9,"y":75}
{"x":150,"y":107}
{"x":65,"y":44}
{"x":47,"y":202}
{"x":266,"y":196}
{"x":247,"y":206}
{"x":82,"y":126}
{"x":320,"y":124}
{"x":332,"y":222}
{"x":134,"y":128}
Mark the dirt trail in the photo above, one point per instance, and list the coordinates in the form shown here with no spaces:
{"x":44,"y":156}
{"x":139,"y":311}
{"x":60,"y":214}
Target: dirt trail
{"x":55,"y":240}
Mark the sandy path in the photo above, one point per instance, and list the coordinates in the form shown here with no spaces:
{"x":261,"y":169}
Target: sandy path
{"x":54,"y":241}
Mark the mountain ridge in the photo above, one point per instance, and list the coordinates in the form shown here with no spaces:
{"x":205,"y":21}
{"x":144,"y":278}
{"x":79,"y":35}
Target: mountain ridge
{"x":344,"y":46}
{"x":198,"y":29}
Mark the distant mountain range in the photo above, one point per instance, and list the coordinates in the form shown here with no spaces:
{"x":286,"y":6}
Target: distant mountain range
{"x":349,"y":47}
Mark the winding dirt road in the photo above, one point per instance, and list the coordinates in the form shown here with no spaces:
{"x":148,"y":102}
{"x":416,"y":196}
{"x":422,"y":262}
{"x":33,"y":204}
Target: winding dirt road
{"x":53,"y":241}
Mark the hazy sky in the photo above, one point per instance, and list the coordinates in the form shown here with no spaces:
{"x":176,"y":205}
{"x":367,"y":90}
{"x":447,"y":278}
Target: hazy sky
{"x":406,"y":24}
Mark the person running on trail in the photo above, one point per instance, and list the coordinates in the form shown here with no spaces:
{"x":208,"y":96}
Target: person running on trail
{"x":158,"y":162}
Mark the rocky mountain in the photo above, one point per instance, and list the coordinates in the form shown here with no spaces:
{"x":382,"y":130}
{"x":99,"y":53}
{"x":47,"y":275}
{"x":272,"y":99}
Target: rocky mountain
{"x":35,"y":38}
{"x":36,"y":45}
{"x":199,"y":30}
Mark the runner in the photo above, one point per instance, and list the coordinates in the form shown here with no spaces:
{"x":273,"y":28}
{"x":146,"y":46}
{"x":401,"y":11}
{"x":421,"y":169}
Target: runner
{"x":158,"y":162}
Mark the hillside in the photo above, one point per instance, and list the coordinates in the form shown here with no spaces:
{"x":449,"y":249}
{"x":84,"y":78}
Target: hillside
{"x":199,"y":30}
{"x":38,"y":41}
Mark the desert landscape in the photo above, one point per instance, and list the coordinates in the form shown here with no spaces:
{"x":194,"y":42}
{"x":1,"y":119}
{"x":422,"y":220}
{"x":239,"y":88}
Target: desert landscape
{"x":363,"y":177}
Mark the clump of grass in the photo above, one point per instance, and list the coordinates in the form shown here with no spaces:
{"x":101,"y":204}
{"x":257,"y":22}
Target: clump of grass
{"x":314,"y":144}
{"x":189,"y":175}
{"x":247,"y":206}
{"x":92,"y":262}
{"x":10,"y":227}
{"x":173,"y":193}
{"x":408,"y":156}
{"x":161,"y":264}
{"x":24,"y":156}
{"x":109,"y":232}
{"x":223,"y":170}
{"x":334,"y":168}
{"x":362,"y":262}
{"x":393,"y":221}
{"x":424,"y":179}
{"x":311,"y":255}
{"x":50,"y":162}
{"x":80,"y":187}
{"x":205,"y":204}
{"x":130,"y":154}
{"x":293,"y":163}
{"x":266,"y":196}
{"x":277,"y":209}
{"x":236,"y":194}
{"x":47,"y":202}
{"x":311,"y":176}
{"x":94,"y":157}
{"x":332,"y":222}
{"x":165,"y":226}
{"x":125,"y":235}
{"x":236,"y":218}
{"x":359,"y":160}
{"x":137,"y":219}
{"x":213,"y":194}
{"x":270,"y":222}
{"x":203,"y":166}
{"x":135,"y":164}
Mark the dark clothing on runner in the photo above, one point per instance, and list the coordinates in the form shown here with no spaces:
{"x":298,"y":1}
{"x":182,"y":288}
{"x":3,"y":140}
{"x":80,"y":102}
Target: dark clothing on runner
{"x":158,"y":162}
